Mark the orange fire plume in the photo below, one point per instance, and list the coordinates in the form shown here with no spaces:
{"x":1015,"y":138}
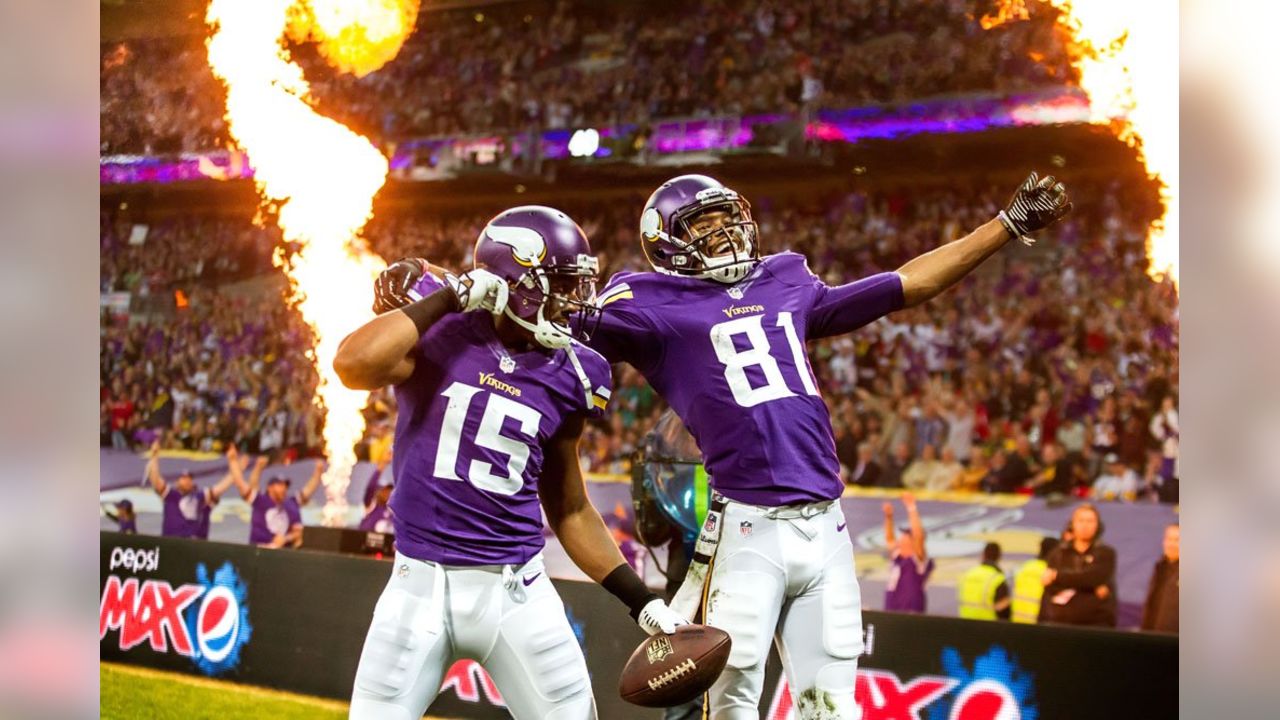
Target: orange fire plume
{"x":1127,"y":58}
{"x":316,"y":174}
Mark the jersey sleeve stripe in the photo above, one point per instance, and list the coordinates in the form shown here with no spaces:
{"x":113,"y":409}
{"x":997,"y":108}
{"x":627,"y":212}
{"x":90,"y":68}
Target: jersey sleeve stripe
{"x":619,"y":296}
{"x":616,"y":289}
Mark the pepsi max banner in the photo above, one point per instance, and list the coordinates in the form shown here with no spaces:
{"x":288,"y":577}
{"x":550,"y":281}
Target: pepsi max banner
{"x":296,"y":620}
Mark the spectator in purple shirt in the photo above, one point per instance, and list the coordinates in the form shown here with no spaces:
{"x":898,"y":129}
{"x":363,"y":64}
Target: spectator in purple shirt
{"x":124,"y":517}
{"x":186,"y":507}
{"x":235,"y":464}
{"x":277,"y":516}
{"x":912,"y":566}
{"x":377,"y":511}
{"x":183,"y":501}
{"x":377,"y":514}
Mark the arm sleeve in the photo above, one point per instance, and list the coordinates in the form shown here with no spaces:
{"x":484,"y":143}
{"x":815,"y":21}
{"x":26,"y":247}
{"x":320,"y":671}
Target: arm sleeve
{"x":436,"y":346}
{"x":624,"y":335}
{"x":1099,"y":572}
{"x":845,"y":308}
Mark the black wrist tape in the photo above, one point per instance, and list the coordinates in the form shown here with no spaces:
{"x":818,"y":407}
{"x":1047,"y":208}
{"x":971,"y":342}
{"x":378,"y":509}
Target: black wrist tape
{"x":626,"y":585}
{"x":421,"y":312}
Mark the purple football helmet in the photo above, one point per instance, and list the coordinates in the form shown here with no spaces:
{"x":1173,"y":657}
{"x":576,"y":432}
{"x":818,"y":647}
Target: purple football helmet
{"x":545,"y":257}
{"x":672,"y":243}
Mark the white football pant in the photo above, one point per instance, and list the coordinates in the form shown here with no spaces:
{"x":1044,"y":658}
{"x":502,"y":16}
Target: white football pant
{"x":508,"y":619}
{"x":786,"y":575}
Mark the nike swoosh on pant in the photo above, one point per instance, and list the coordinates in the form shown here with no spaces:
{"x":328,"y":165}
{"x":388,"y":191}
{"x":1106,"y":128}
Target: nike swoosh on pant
{"x":841,"y":526}
{"x":529,"y":580}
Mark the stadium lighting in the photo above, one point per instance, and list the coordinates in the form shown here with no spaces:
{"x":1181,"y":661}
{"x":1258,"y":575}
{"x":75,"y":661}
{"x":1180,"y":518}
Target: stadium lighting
{"x":584,"y":143}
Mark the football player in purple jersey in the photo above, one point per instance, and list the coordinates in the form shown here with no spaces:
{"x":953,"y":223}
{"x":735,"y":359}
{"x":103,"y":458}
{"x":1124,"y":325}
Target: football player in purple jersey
{"x":719,"y":330}
{"x":493,"y":392}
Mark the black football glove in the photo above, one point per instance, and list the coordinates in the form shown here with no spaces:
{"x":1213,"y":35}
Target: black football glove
{"x":1035,"y":206}
{"x":391,"y":289}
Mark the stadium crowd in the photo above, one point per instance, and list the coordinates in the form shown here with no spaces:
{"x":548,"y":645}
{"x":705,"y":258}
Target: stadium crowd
{"x":575,"y":63}
{"x":178,"y":251}
{"x":1054,"y":371}
{"x":224,"y":371}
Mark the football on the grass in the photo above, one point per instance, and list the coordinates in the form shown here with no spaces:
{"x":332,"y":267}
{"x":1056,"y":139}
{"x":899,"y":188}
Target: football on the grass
{"x":669,"y":670}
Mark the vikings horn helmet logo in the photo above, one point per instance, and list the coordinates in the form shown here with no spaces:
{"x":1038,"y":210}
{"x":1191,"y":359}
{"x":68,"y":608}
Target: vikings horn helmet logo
{"x":527,"y":246}
{"x":651,"y":225}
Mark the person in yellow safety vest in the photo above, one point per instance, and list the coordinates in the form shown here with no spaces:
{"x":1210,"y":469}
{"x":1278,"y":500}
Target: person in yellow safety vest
{"x":983,"y":592}
{"x":1027,"y":588}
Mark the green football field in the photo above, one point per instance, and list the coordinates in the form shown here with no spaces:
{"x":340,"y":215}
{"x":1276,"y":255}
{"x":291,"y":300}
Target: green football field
{"x":129,"y":692}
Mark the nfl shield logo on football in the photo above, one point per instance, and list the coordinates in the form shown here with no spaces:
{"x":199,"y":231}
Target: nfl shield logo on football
{"x":660,"y":649}
{"x":735,"y":293}
{"x":745,"y":528}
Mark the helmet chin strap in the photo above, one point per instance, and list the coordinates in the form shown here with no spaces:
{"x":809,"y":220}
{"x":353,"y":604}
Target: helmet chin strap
{"x":554,"y":337}
{"x":545,"y":333}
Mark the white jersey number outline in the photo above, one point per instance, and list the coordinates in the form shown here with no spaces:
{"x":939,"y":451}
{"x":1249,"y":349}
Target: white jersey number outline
{"x":497,"y":409}
{"x":737,"y":361}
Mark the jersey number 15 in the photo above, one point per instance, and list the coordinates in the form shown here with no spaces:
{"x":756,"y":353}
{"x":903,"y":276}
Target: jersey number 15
{"x":497,"y":409}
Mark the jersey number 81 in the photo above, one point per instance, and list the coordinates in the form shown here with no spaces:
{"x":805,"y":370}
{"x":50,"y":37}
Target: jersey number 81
{"x":757,"y":354}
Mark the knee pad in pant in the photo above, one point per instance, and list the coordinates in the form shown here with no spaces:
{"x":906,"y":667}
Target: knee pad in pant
{"x":738,"y":604}
{"x":841,"y":612}
{"x":396,"y":646}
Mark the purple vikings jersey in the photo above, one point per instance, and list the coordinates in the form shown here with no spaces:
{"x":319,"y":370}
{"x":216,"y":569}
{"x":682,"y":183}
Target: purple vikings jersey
{"x":377,"y":518}
{"x":269,"y":519}
{"x":904,"y":590}
{"x":731,"y":362}
{"x":473,"y":420}
{"x":206,"y":515}
{"x":182,"y":513}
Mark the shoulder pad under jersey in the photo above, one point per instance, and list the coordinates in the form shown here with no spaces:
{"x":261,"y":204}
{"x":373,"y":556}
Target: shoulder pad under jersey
{"x":788,"y":267}
{"x":639,"y":289}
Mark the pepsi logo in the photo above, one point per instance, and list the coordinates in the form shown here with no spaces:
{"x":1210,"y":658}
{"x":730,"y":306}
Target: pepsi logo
{"x":207,"y":621}
{"x":217,"y":624}
{"x":985,"y":699}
